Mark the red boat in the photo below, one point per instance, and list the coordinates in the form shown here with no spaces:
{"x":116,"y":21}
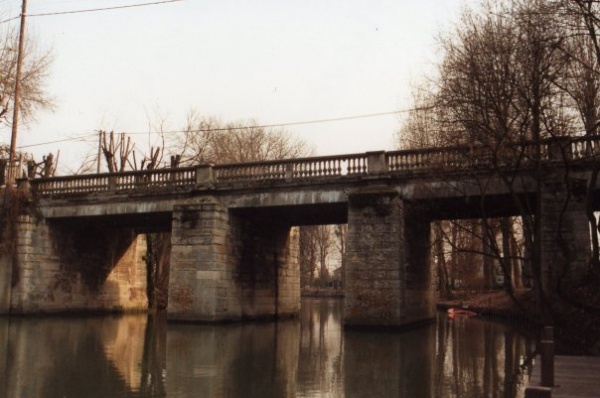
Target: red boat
{"x":452,"y":312}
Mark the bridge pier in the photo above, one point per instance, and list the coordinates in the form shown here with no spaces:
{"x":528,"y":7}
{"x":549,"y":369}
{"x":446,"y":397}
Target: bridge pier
{"x":566,"y":241}
{"x":203,"y":262}
{"x":226,"y":266}
{"x":383,"y":289}
{"x":76,"y":268}
{"x":269,"y":271}
{"x":419,"y":298}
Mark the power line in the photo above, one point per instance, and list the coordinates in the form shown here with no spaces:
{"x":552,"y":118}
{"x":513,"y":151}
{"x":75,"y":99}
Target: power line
{"x":10,"y":19}
{"x":315,"y":121}
{"x":77,"y":138}
{"x":47,"y":14}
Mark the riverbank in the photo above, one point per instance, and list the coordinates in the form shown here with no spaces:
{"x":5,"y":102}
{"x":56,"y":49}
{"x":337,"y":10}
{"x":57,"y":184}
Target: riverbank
{"x":578,"y":329}
{"x":490,"y":303}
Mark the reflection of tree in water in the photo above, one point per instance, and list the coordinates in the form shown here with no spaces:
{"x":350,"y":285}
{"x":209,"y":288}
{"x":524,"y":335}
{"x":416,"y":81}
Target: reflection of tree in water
{"x":321,"y":345}
{"x":154,"y":357}
{"x":476,"y":358}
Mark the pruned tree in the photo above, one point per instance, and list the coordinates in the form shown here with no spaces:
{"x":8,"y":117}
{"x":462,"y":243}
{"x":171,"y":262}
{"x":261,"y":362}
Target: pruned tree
{"x":116,"y":151}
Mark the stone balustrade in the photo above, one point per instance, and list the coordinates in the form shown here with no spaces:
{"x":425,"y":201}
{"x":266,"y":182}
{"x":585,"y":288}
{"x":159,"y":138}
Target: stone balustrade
{"x":447,"y":159}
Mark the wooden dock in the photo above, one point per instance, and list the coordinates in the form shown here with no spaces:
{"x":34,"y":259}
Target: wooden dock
{"x":574,"y":377}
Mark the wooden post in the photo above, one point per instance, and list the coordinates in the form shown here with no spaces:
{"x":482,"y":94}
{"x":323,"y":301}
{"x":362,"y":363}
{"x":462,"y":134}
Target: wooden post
{"x":16,"y":102}
{"x":547,"y":353}
{"x":538,"y":392}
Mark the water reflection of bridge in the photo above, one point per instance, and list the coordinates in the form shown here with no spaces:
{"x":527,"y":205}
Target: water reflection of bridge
{"x":233,"y":241}
{"x":307,"y":357}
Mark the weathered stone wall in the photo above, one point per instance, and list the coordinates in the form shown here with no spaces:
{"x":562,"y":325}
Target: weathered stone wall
{"x":566,"y":247}
{"x":418,"y":296}
{"x":375,"y":275}
{"x":6,"y":265}
{"x":289,"y":274}
{"x":77,"y":268}
{"x":269,"y":272}
{"x":227,"y":267}
{"x":203,"y":263}
{"x":6,"y":252}
{"x":390,"y":280}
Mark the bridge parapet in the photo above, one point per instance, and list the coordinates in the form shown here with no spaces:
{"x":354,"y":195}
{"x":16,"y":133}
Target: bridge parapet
{"x":290,"y":169}
{"x":445,"y":160}
{"x":115,"y":182}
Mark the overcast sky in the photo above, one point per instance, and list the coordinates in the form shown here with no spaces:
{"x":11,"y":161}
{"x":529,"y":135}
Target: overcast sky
{"x":272,"y":61}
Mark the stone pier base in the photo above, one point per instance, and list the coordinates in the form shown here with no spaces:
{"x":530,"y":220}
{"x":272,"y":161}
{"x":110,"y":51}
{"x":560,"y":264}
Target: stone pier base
{"x":388,"y":278}
{"x":227,"y":266}
{"x":79,"y":267}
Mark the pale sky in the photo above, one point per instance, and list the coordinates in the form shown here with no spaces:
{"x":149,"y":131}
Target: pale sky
{"x":273,"y":61}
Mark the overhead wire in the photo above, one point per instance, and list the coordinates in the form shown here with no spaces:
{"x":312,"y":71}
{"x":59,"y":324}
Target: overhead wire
{"x":77,"y":138}
{"x":10,"y":19}
{"x":297,"y":123}
{"x":48,"y":14}
{"x":201,"y":130}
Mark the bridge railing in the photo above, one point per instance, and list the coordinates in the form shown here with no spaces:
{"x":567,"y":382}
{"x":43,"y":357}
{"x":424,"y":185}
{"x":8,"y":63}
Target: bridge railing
{"x":427,"y":159}
{"x":446,"y":159}
{"x":584,"y":147}
{"x":115,"y":182}
{"x":288,"y":169}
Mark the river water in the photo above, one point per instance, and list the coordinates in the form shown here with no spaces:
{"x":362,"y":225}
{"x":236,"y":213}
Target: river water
{"x":142,"y":356}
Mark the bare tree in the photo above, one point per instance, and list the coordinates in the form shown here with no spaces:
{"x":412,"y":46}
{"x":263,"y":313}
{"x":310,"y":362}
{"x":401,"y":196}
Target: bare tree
{"x":35,"y":69}
{"x":498,"y":93}
{"x":308,"y":255}
{"x":206,"y":140}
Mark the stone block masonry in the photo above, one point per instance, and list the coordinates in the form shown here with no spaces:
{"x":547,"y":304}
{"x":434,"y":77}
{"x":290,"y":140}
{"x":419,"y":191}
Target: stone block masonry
{"x":226,"y":266}
{"x":566,"y":248}
{"x":375,"y":256}
{"x":81,"y":268}
{"x":389,"y":280}
{"x":201,"y":283}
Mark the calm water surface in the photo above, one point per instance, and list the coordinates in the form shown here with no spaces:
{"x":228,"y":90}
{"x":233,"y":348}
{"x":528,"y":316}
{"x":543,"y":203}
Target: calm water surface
{"x":140,"y":356}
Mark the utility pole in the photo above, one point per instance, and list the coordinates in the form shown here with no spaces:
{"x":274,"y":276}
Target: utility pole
{"x":15,"y":121}
{"x":100,"y":135}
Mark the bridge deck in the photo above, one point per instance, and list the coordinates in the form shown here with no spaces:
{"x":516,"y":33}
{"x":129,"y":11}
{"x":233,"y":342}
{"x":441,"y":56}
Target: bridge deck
{"x":574,"y":376}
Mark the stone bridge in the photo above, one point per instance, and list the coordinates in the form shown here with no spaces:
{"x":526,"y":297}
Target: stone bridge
{"x":79,"y":243}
